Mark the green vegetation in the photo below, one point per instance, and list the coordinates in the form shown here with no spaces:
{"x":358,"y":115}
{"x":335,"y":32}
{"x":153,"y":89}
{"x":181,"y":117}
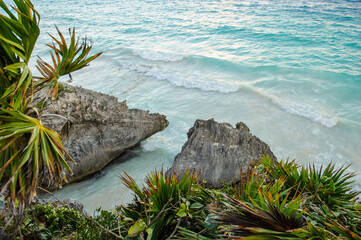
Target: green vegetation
{"x":273,"y":201}
{"x":261,"y":206}
{"x":165,"y":204}
{"x":287,"y":201}
{"x":30,"y":154}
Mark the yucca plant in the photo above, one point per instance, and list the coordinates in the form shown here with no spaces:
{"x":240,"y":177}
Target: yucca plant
{"x":255,"y":185}
{"x":165,"y":204}
{"x":327,"y":192}
{"x":65,"y":59}
{"x":18,"y":35}
{"x":271,"y":202}
{"x":28,"y":150}
{"x":27,"y":147}
{"x":331,"y":186}
{"x":275,"y":216}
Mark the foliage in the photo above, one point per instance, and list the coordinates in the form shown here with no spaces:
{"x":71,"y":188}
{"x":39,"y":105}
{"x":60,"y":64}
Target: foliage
{"x":46,"y":222}
{"x":278,"y":200}
{"x":66,"y":59}
{"x":22,"y":161}
{"x":18,"y":36}
{"x":109,"y":220}
{"x":51,"y":222}
{"x":260,"y":207}
{"x":328,"y":186}
{"x":28,"y":150}
{"x":246,"y":216}
{"x":165,"y":204}
{"x":177,"y":207}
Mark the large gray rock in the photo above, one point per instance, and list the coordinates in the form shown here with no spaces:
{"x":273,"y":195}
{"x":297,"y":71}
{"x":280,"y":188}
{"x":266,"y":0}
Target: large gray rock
{"x":218,"y":152}
{"x":96,"y":128}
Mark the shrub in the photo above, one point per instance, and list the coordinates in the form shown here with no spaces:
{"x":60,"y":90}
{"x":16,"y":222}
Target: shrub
{"x":27,"y":148}
{"x":165,"y":204}
{"x":286,"y":201}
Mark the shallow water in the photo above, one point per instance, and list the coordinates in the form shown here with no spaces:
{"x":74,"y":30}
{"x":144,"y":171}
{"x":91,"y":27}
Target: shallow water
{"x":290,"y":70}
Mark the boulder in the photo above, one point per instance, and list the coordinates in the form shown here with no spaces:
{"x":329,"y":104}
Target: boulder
{"x":96,"y":128}
{"x":218,"y":152}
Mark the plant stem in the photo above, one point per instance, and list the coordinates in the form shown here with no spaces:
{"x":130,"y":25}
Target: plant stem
{"x":105,"y":229}
{"x":52,"y":194}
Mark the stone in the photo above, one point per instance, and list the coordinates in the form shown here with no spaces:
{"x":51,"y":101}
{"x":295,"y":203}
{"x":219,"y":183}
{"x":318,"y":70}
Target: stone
{"x":218,"y":152}
{"x":96,"y":128}
{"x":75,"y":204}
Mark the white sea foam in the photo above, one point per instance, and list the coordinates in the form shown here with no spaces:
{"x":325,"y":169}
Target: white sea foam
{"x":157,"y":56}
{"x":199,"y":81}
{"x":186,"y":80}
{"x":305,"y":110}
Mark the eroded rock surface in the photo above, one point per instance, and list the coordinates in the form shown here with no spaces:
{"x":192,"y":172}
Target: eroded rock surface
{"x":218,"y":152}
{"x":96,"y":128}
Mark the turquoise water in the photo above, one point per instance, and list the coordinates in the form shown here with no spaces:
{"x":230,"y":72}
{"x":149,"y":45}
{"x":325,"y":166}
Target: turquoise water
{"x":290,"y":70}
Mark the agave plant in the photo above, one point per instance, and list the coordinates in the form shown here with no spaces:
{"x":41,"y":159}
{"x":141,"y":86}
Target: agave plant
{"x":27,"y":148}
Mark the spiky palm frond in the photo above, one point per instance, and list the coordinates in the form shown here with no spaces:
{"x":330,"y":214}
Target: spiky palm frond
{"x":344,"y":222}
{"x":18,"y":35}
{"x":26,"y":149}
{"x":65,"y":60}
{"x":165,"y":202}
{"x":338,"y":227}
{"x":331,"y":185}
{"x":163,"y":188}
{"x":244,"y":216}
{"x":309,"y":233}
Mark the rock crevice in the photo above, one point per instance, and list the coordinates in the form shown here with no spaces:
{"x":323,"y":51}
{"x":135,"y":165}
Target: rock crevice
{"x":218,"y":152}
{"x":96,"y":128}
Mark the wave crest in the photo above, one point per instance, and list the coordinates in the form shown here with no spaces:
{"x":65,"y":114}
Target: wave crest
{"x":190,"y":80}
{"x":157,"y":56}
{"x":305,"y":111}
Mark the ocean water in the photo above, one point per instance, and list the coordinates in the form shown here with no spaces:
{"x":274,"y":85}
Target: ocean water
{"x":290,"y":70}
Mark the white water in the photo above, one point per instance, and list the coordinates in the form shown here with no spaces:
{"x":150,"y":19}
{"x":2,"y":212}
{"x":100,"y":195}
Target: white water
{"x":289,"y":70}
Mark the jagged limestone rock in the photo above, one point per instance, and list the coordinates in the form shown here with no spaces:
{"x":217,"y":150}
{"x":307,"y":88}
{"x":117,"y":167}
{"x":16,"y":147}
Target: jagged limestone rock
{"x":96,"y":128}
{"x":218,"y":152}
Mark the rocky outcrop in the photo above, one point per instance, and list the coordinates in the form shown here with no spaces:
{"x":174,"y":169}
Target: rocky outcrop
{"x":96,"y":128}
{"x":218,"y":152}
